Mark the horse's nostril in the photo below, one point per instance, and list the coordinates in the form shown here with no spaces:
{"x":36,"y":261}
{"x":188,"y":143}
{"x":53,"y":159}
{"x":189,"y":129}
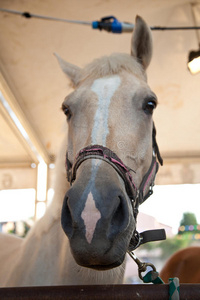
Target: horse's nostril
{"x":66,"y":219}
{"x":120,"y":218}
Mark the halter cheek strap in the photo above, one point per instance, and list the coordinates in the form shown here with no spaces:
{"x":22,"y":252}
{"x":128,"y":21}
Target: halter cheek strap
{"x":146,"y":186}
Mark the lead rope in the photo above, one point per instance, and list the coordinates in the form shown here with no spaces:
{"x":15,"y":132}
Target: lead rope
{"x":153,"y":277}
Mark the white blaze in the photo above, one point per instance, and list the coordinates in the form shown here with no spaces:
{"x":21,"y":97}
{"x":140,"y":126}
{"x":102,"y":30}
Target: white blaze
{"x":104,"y":88}
{"x":90,"y":216}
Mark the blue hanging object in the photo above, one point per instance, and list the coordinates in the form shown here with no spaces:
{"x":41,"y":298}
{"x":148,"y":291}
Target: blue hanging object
{"x":111,"y":24}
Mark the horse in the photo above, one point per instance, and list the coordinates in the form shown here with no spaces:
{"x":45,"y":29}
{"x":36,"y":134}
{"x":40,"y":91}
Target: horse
{"x":183,"y":264}
{"x":111,"y":158}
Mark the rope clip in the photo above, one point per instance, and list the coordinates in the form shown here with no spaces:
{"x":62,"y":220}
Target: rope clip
{"x":151,"y":276}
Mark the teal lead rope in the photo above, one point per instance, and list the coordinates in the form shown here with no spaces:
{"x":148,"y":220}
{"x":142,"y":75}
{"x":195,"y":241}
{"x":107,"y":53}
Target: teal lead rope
{"x":153,"y":277}
{"x":174,"y":287}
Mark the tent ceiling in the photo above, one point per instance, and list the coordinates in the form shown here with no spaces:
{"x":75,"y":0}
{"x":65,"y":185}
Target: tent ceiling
{"x":38,"y":87}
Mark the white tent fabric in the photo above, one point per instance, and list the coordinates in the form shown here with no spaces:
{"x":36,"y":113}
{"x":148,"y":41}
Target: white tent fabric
{"x":35,"y":87}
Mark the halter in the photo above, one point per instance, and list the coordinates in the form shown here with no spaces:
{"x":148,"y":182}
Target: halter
{"x":136,"y":196}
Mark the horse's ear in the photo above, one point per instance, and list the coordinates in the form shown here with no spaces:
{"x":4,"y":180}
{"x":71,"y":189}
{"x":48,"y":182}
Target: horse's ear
{"x":72,"y":71}
{"x":141,"y":43}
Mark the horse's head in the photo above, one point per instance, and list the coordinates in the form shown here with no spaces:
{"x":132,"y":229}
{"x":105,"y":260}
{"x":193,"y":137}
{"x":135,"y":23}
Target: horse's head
{"x":110,"y":158}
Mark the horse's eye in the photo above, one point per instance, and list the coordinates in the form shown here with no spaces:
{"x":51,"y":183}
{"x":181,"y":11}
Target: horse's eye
{"x":149,"y":106}
{"x":66,"y":111}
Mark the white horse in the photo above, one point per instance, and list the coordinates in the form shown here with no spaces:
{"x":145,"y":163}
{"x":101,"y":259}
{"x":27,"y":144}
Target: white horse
{"x":111,"y":108}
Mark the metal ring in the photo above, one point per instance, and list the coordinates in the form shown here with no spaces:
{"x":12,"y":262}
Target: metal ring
{"x":143,"y":267}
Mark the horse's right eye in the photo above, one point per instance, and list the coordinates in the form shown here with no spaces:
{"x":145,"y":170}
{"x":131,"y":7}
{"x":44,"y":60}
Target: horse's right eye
{"x":149,"y":105}
{"x":66,"y":111}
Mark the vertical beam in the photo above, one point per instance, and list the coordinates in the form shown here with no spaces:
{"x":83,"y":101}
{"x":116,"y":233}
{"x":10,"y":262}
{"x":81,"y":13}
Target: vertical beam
{"x":41,"y":191}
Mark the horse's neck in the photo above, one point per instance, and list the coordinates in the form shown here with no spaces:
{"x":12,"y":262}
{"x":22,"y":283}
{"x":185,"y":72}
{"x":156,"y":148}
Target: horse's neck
{"x":40,"y":249}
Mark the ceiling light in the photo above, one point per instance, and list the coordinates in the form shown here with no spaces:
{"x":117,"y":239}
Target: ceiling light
{"x":194,"y":62}
{"x":194,"y":56}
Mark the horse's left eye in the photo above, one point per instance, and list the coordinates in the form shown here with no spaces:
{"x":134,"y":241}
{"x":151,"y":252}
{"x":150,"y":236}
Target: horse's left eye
{"x":66,"y":111}
{"x":149,"y":106}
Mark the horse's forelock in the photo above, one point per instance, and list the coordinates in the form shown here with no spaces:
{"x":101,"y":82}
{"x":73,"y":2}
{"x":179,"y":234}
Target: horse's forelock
{"x":111,"y":65}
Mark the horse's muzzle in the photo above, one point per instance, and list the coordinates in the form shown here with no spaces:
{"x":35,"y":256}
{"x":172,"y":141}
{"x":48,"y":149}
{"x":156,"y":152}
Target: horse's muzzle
{"x":98,"y":220}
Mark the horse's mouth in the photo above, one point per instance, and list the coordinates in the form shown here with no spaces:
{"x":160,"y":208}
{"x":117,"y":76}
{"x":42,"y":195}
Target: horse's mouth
{"x":105,"y":267}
